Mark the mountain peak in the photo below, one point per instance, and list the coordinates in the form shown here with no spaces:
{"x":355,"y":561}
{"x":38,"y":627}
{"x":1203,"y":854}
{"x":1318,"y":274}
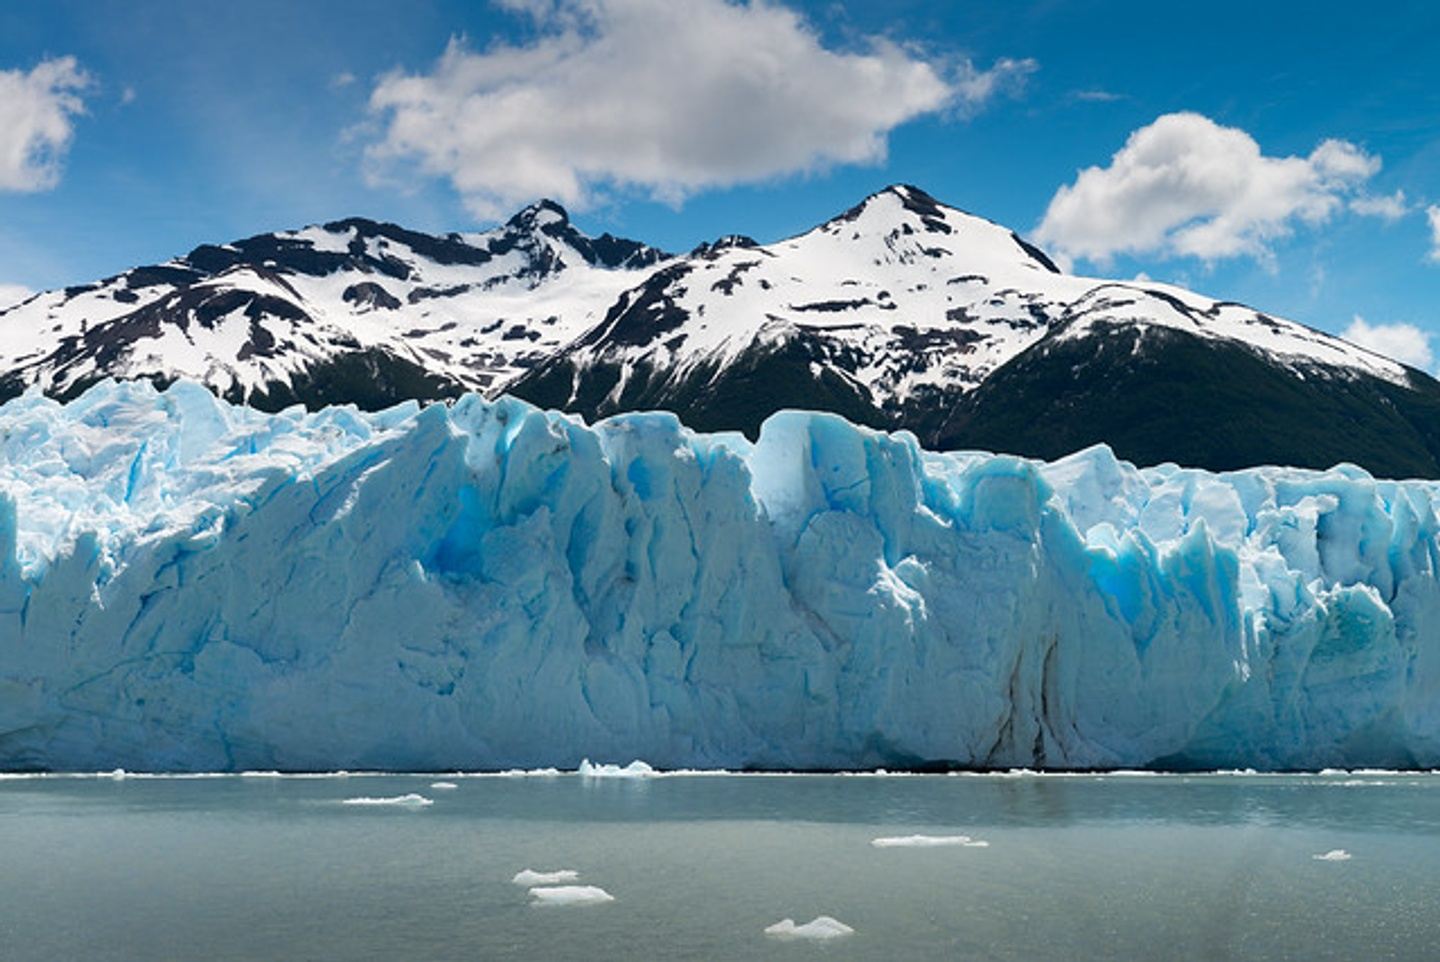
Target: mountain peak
{"x":901,"y":200}
{"x":914,"y":197}
{"x":930,"y":227}
{"x":712,"y":249}
{"x":541,"y":214}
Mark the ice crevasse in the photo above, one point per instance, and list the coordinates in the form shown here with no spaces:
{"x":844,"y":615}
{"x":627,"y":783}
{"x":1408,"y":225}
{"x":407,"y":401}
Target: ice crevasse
{"x":188,"y":585}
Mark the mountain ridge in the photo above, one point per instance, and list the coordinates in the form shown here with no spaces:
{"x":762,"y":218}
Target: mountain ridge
{"x":898,"y":313}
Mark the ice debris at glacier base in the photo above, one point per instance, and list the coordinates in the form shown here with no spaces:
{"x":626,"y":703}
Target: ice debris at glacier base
{"x":928,"y":841}
{"x":411,"y":800}
{"x":186,"y":585}
{"x":636,"y":769}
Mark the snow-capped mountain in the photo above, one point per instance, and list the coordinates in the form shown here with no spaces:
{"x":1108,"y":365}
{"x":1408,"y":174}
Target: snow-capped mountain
{"x":900,"y":313}
{"x":903,"y":312}
{"x":351,"y":311}
{"x":898,"y":298}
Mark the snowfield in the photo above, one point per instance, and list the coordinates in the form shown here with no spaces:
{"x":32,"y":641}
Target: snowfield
{"x":186,"y":585}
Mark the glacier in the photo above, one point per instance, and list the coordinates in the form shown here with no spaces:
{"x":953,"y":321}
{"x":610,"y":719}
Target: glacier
{"x":187,"y":585}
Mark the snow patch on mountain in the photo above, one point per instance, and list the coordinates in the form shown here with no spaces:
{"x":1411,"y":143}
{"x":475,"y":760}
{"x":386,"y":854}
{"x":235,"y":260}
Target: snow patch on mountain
{"x":1164,"y":305}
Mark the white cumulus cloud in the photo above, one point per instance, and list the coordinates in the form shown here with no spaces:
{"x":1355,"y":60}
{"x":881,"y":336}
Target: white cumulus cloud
{"x":1405,"y":343}
{"x":36,"y":113}
{"x":12,"y":294}
{"x":1433,"y":213}
{"x":667,"y":97}
{"x":1187,"y":186}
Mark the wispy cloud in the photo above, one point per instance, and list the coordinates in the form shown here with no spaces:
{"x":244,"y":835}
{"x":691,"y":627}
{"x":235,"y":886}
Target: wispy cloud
{"x":1433,"y":213}
{"x":1387,"y":207}
{"x":975,"y":88}
{"x":1096,"y":96}
{"x":668,"y":97}
{"x":1186,"y":186}
{"x":36,"y":122}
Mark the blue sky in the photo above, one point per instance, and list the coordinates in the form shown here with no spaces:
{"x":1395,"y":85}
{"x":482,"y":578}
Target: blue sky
{"x":1282,"y":154}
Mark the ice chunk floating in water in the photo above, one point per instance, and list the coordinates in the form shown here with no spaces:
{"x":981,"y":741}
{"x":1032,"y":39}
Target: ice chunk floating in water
{"x":571,"y":895}
{"x":530,"y":878}
{"x":820,"y":928}
{"x":398,"y":801}
{"x":186,"y":585}
{"x":928,"y":841}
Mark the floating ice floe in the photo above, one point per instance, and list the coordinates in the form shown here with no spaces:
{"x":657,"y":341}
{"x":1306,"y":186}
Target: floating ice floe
{"x":531,"y":878}
{"x":570,"y":895}
{"x":444,"y":786}
{"x":928,"y":841}
{"x":821,"y":927}
{"x":1334,"y":855}
{"x":636,"y":769}
{"x":411,"y":800}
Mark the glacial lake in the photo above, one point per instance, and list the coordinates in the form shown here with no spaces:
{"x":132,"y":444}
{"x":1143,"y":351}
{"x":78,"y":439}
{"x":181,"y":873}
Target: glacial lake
{"x":1076,"y":867}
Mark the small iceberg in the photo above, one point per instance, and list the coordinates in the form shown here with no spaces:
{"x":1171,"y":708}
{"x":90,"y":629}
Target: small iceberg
{"x":443,"y":786}
{"x":570,"y":895}
{"x":928,"y":841}
{"x":636,"y":769}
{"x":411,"y":800}
{"x":820,"y":928}
{"x":1334,"y":855}
{"x":531,"y":878}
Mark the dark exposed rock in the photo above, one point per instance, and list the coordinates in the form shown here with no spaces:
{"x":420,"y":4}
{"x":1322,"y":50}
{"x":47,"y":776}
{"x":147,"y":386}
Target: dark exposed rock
{"x":370,"y":294}
{"x":644,"y":314}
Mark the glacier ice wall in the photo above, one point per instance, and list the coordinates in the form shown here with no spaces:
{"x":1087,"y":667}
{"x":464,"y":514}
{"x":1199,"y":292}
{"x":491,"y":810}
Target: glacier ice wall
{"x":189,"y":585}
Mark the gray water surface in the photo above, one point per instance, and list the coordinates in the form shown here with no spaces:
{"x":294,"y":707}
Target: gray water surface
{"x":1104,"y":867}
